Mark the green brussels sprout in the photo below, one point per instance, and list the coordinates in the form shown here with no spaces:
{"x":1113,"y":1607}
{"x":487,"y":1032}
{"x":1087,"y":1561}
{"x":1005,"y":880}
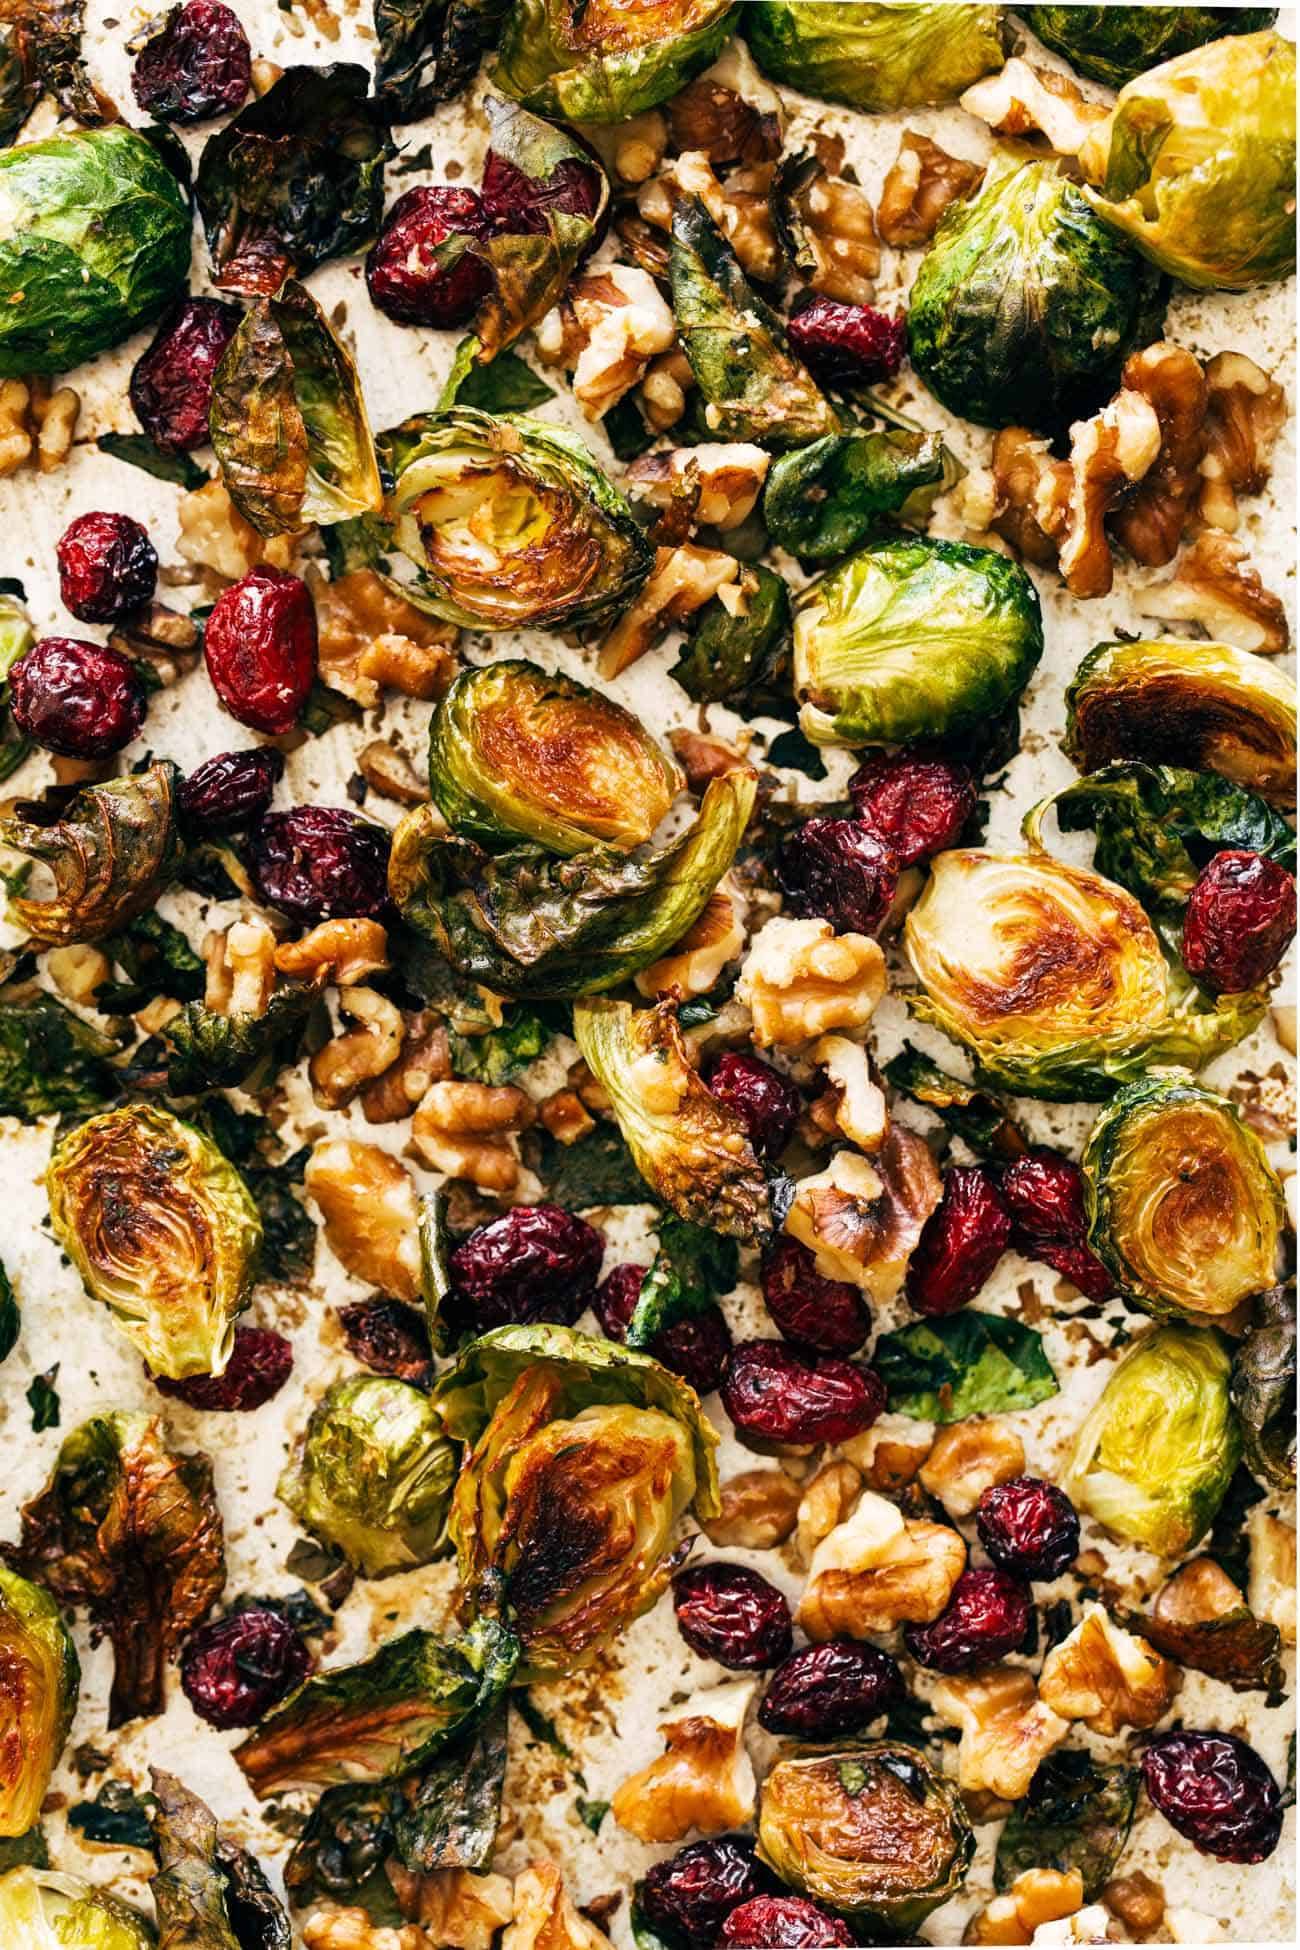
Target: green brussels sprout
{"x":1195,"y":165}
{"x":94,"y":239}
{"x":428,"y":51}
{"x":16,"y":638}
{"x":1183,"y":1205}
{"x":1026,"y":305}
{"x":40,"y":1909}
{"x":692,"y":1149}
{"x":40,"y":1676}
{"x":163,"y":1231}
{"x":1174,"y":702}
{"x":912,"y":639}
{"x":51,"y":1060}
{"x":515,"y":750}
{"x":870,"y":1829}
{"x":509,"y":523}
{"x":1264,"y":1390}
{"x":112,"y":852}
{"x":1116,"y":44}
{"x":580,"y":1458}
{"x":1054,"y":980}
{"x":603,"y":60}
{"x":209,"y":1893}
{"x":1157,"y":1451}
{"x":824,"y":500}
{"x":372,"y":1474}
{"x":741,"y":658}
{"x":878,"y":57}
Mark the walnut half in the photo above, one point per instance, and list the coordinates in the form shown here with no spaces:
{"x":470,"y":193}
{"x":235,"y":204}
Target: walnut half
{"x":468,"y":1131}
{"x":1216,"y":585}
{"x":367,"y":1204}
{"x":1107,"y":1677}
{"x":923,"y":180}
{"x":704,"y":1779}
{"x":1006,"y":1730}
{"x":877,"y":1570}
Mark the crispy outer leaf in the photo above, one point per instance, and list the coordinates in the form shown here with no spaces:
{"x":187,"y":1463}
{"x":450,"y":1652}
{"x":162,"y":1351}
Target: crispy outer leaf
{"x":112,"y":853}
{"x":138,"y":450}
{"x":212,"y":1051}
{"x":51,"y":1062}
{"x":1236,"y":1647}
{"x":1264,"y":1388}
{"x":597,"y":1169}
{"x":209,"y":1893}
{"x":967,"y":1363}
{"x":450,"y":1813}
{"x":1077,"y":1815}
{"x":979,"y":1118}
{"x":429,"y":50}
{"x":692,"y":1269}
{"x":823,"y":500}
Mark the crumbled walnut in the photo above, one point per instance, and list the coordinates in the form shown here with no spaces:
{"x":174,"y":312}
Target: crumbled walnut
{"x":1030,"y":495}
{"x":214,"y":535}
{"x":1107,"y":1677}
{"x":1283,"y":1015}
{"x":352,"y":1929}
{"x":1271,"y":1591}
{"x":1038,"y":1896}
{"x":592,"y":1092}
{"x":1021,"y":100}
{"x":640,"y":145}
{"x":861,"y":1219}
{"x":968,"y":1458}
{"x":155,"y":1015}
{"x":1090,"y":1925}
{"x":368,"y":1209}
{"x":342,"y":951}
{"x":620,"y":322}
{"x":164,"y":639}
{"x":1006,"y":1730}
{"x":703,"y":1780}
{"x":1245,"y":412}
{"x":36,"y":421}
{"x":371,"y":638}
{"x":391,"y":774}
{"x":77,"y":972}
{"x":826,"y":1503}
{"x":888,"y":1457}
{"x":1216,"y":585}
{"x":462,"y":1910}
{"x":1193,"y":1926}
{"x":860,"y":1111}
{"x":728,"y":478}
{"x":801,"y":979}
{"x":663,"y":390}
{"x":1137,"y":1901}
{"x":923,"y":180}
{"x":467,"y":1130}
{"x":877,"y":1570}
{"x":730,"y":112}
{"x":424,"y":1059}
{"x":684,"y":579}
{"x":741,"y":208}
{"x":566,"y":1117}
{"x":545,"y":1916}
{"x":264,"y":74}
{"x":240,"y":969}
{"x":703,"y":758}
{"x":694,"y":964}
{"x":760,"y":1508}
{"x":1108,"y":454}
{"x":839,"y":228}
{"x":1150,"y":523}
{"x":358,"y":1056}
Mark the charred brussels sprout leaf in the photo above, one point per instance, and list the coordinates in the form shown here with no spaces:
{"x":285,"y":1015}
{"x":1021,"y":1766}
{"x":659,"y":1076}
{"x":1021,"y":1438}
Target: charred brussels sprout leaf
{"x":138,"y":450}
{"x":39,"y":1680}
{"x":225,"y":1052}
{"x":882,"y":57}
{"x":500,"y":1055}
{"x":209,"y":1894}
{"x":40,"y":1909}
{"x":51,"y":1062}
{"x":17,"y":636}
{"x":1116,"y":44}
{"x":582,"y":62}
{"x":157,"y":960}
{"x":692,"y":1269}
{"x":111,"y":853}
{"x":979,"y":1120}
{"x":1232,"y":1645}
{"x":429,"y":50}
{"x":20,"y":82}
{"x":162,"y":1230}
{"x":597,"y":1170}
{"x":450,"y":1813}
{"x":964,"y":1364}
{"x":824,"y":500}
{"x":1264,"y":1388}
{"x":740,"y":658}
{"x":51,"y":34}
{"x":1076,"y":1815}
{"x":508,"y":385}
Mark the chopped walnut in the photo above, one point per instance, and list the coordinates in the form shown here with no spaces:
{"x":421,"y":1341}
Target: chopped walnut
{"x":703,"y":1780}
{"x":424,"y":1058}
{"x":860,"y":1111}
{"x":566,"y":1117}
{"x":342,"y":951}
{"x":1037,"y":1896}
{"x":1022,"y":100}
{"x":619,"y":323}
{"x":352,"y":1929}
{"x":1030,"y":495}
{"x":1150,"y":523}
{"x":702,"y":758}
{"x":728,"y":478}
{"x":1107,"y":1677}
{"x":741,"y":208}
{"x":77,"y":972}
{"x":923,"y":180}
{"x":545,"y":1915}
{"x":462,"y":1910}
{"x":639,"y":146}
{"x":392,"y":775}
{"x":36,"y":422}
{"x":1245,"y":412}
{"x":1090,"y":1925}
{"x":468,"y":1131}
{"x":877,"y":1570}
{"x":861,"y":1219}
{"x":360,"y":1055}
{"x":693,"y":965}
{"x":730,"y":112}
{"x":1271,"y":1591}
{"x":801,"y":979}
{"x":760,"y":1508}
{"x":264,"y":74}
{"x":827,"y":1502}
{"x":1006,"y":1730}
{"x":663,"y":390}
{"x":1137,"y":1901}
{"x":968,"y":1458}
{"x":240,"y":969}
{"x":839,"y":228}
{"x":1192,"y":1926}
{"x":1216,"y":585}
{"x":684,"y":579}
{"x":214,"y":535}
{"x":1108,"y":454}
{"x":368,"y":1209}
{"x":371,"y":639}
{"x":889,"y":1457}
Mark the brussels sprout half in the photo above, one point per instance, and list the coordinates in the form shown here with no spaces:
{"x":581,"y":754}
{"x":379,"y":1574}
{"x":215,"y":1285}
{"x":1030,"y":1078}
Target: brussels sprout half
{"x":1156,"y":1453}
{"x":41,"y":1909}
{"x":912,"y":639}
{"x":40,"y":1676}
{"x":890,"y":55}
{"x":603,"y":60}
{"x":111,"y":854}
{"x":1183,"y":1205}
{"x":1115,"y":44}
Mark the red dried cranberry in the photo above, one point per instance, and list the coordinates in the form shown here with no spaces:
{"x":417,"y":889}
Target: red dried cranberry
{"x":917,"y":806}
{"x":1216,"y":1791}
{"x":231,"y":792}
{"x":690,"y":1895}
{"x":422,"y":268}
{"x":520,"y":205}
{"x":107,"y":567}
{"x":824,"y":1691}
{"x":260,"y":649}
{"x":1240,"y":921}
{"x":836,"y":870}
{"x":197,"y":65}
{"x":318,"y":862}
{"x":1044,"y":1194}
{"x":171,"y":386}
{"x":535,"y":1262}
{"x":1078,"y":1264}
{"x":260,"y":1363}
{"x":696,"y":1347}
{"x":1028,"y":1527}
{"x":986,"y":1617}
{"x":847,"y":345}
{"x":829,"y":1316}
{"x":729,"y":1613}
{"x":962,"y":1241}
{"x":783,"y":1923}
{"x":774,"y":1395}
{"x":236,"y":1669}
{"x":390,"y":1338}
{"x":80,"y":699}
{"x":768,"y":1103}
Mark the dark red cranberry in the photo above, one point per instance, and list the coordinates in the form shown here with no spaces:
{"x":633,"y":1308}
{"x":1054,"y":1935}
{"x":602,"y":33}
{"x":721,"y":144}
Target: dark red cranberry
{"x":847,"y":345}
{"x":774,"y":1395}
{"x":729,"y":1613}
{"x":107,"y":567}
{"x":390,"y":1338}
{"x":836,"y":870}
{"x":962,"y":1241}
{"x":783,"y":1923}
{"x":1216,"y":1791}
{"x":236,"y":1669}
{"x":422,"y":268}
{"x":829,"y":1316}
{"x":197,"y":65}
{"x":535,"y":1262}
{"x":768,"y":1103}
{"x":520,"y":205}
{"x":260,"y":1363}
{"x":824,"y":1691}
{"x":79,"y":699}
{"x":1044,"y":1194}
{"x":689,"y":1896}
{"x":1080,"y":1265}
{"x":317,"y":862}
{"x":1239,"y":923}
{"x":986,"y":1617}
{"x":917,"y":806}
{"x":695,"y":1347}
{"x":260,"y":649}
{"x":1028,"y":1527}
{"x":171,"y":386}
{"x":231,"y":792}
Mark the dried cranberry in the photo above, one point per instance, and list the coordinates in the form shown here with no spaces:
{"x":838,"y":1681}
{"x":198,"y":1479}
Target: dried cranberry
{"x":829,"y":1316}
{"x":422,"y":268}
{"x":1044,"y":1194}
{"x":824,"y":1691}
{"x":1216,"y":1791}
{"x":171,"y":386}
{"x":260,"y":649}
{"x":774,"y":1395}
{"x":521,"y":205}
{"x":690,"y":1895}
{"x":729,"y":1613}
{"x":986,"y":1617}
{"x":917,"y":806}
{"x":390,"y":1338}
{"x":236,"y":1669}
{"x":836,"y":870}
{"x":197,"y":65}
{"x":783,"y":1923}
{"x":1240,"y":921}
{"x":962,"y":1241}
{"x":317,"y":862}
{"x":107,"y":567}
{"x":260,"y":1363}
{"x":847,"y":345}
{"x":695,"y":1347}
{"x":1078,"y":1264}
{"x":79,"y":699}
{"x":768,"y":1103}
{"x":1028,"y":1527}
{"x":535,"y":1262}
{"x":231,"y":792}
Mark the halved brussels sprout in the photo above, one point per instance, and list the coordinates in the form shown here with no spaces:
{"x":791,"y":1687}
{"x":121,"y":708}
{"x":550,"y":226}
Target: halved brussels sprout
{"x":209,"y":1893}
{"x":518,"y":750}
{"x":825,"y":499}
{"x":111,"y":854}
{"x":580,"y":1458}
{"x":1196,"y":163}
{"x":163,"y":1231}
{"x":1115,"y":44}
{"x":40,"y":1676}
{"x":870,"y":1830}
{"x":509,"y":523}
{"x":41,"y":1909}
{"x":1053,"y":978}
{"x":1156,"y":1453}
{"x":739,"y":652}
{"x":603,"y":60}
{"x":890,"y":55}
{"x":1174,"y":702}
{"x":372,"y":1474}
{"x":911,"y":639}
{"x":1264,"y":1387}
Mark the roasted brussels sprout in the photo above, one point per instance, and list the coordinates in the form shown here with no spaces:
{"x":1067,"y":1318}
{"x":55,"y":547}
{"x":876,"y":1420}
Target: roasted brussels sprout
{"x":163,"y":1231}
{"x":509,"y":523}
{"x":581,"y":1457}
{"x":579,"y":62}
{"x":427,"y":51}
{"x":1156,"y":1453}
{"x":1174,"y":702}
{"x":1263,"y":1388}
{"x":1026,"y":305}
{"x":913,"y":638}
{"x":41,"y":1909}
{"x":1183,"y":1205}
{"x":1116,"y":44}
{"x":515,"y":750}
{"x":825,"y":499}
{"x":40,"y":1676}
{"x":111,"y":854}
{"x":890,"y":55}
{"x":1195,"y":165}
{"x":209,"y":1893}
{"x":871,"y":1830}
{"x":741,"y":657}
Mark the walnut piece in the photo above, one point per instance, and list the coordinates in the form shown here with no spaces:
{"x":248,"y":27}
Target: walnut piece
{"x":240,"y":969}
{"x":214,"y":535}
{"x":640,"y":145}
{"x":36,"y":423}
{"x":877,"y":1570}
{"x":858,"y":1102}
{"x":861,"y":1219}
{"x":684,"y":579}
{"x":741,"y":208}
{"x":967,"y":1459}
{"x":1216,"y":585}
{"x":1030,"y":495}
{"x":468,"y":1131}
{"x":923,"y":180}
{"x":693,"y":965}
{"x":391,"y":774}
{"x":702,"y":758}
{"x":368,"y":1209}
{"x":663,"y":390}
{"x":566,"y":1117}
{"x":352,"y":1929}
{"x":1109,"y":454}
{"x":1137,"y":1901}
{"x":546,"y":1917}
{"x":424,"y":1058}
{"x":827,"y":1502}
{"x":1245,"y":412}
{"x":1271,"y":1591}
{"x":1006,"y":1730}
{"x":1149,"y":525}
{"x":1038,"y":1896}
{"x":620,"y":322}
{"x":341,"y":951}
{"x":372,"y":639}
{"x":800,"y":979}
{"x":889,"y":1454}
{"x":462,"y":1910}
{"x":77,"y":971}
{"x":164,"y":639}
{"x":759,"y":1510}
{"x":360,"y":1055}
{"x":1090,"y":1925}
{"x":1022,"y":100}
{"x":1107,"y":1677}
{"x":726,"y":477}
{"x":730,"y":112}
{"x":703,"y":1780}
{"x":839,"y":229}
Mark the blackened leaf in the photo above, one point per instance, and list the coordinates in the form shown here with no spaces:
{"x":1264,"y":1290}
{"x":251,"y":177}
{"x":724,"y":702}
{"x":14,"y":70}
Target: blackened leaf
{"x":209,"y":1894}
{"x":117,"y":1818}
{"x":138,"y":450}
{"x":453,"y":1809}
{"x":43,"y":1400}
{"x":11,"y":1319}
{"x":24,"y":1851}
{"x":692,"y":1268}
{"x":429,"y":50}
{"x":968,"y":1363}
{"x":1264,"y":1387}
{"x":626,"y":430}
{"x":980,"y":1119}
{"x":790,"y":751}
{"x":591,"y":1813}
{"x":158,"y":961}
{"x":55,"y":29}
{"x":244,"y":1050}
{"x":1229,"y":1540}
{"x":20,"y":89}
{"x":596,"y":1170}
{"x":1236,"y":1647}
{"x":51,"y":1062}
{"x":288,"y":1231}
{"x":341,"y":1854}
{"x":1076,"y":1815}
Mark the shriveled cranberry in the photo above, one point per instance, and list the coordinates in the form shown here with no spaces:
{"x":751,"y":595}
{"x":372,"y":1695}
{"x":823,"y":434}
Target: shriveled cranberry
{"x":1217,"y":1792}
{"x":729,"y":1613}
{"x":519,"y":205}
{"x":197,"y":65}
{"x":847,"y":345}
{"x":231,"y":792}
{"x":916,"y":805}
{"x":829,"y":1316}
{"x":260,"y":1363}
{"x":76,"y":698}
{"x":783,"y":1923}
{"x":1080,"y":1265}
{"x":390,"y":1338}
{"x":1044,"y":1194}
{"x":317,"y":862}
{"x":422,"y":269}
{"x":768,"y":1102}
{"x":536,"y":1262}
{"x":107,"y":567}
{"x":962,"y":1241}
{"x":836,"y":870}
{"x":171,"y":385}
{"x":773,"y":1394}
{"x":1240,"y":921}
{"x":823,"y":1691}
{"x":260,"y":649}
{"x":236,"y":1669}
{"x":986,"y":1617}
{"x":695,"y":1347}
{"x":690,"y":1895}
{"x":1028,"y":1527}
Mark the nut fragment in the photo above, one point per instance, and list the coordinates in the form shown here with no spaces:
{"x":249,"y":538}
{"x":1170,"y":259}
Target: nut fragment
{"x":461,"y":1910}
{"x":1006,"y":1730}
{"x":358,"y":1056}
{"x":77,"y":972}
{"x":703,"y":1780}
{"x":1107,"y":1677}
{"x":923,"y":180}
{"x":861,"y":1219}
{"x":826,"y":1503}
{"x":545,"y":1915}
{"x":728,"y":478}
{"x":424,"y":1058}
{"x":1150,"y":523}
{"x":566,"y":1117}
{"x":800,"y":979}
{"x":684,"y":579}
{"x":467,"y":1130}
{"x":639,"y":146}
{"x":367,"y":1205}
{"x":1108,"y":454}
{"x":1038,"y":1896}
{"x":858,"y":1102}
{"x":879,"y":1569}
{"x":1216,"y":585}
{"x":240,"y":969}
{"x":164,"y":639}
{"x":1138,"y":1902}
{"x":663,"y":390}
{"x":389,"y":773}
{"x":339,"y":951}
{"x":730,"y":112}
{"x":968,"y":1458}
{"x":839,"y":229}
{"x":1031,"y":494}
{"x":612,"y":323}
{"x":371,"y":639}
{"x":1022,"y":100}
{"x":759,"y":1510}
{"x":741,"y":208}
{"x":214,"y":535}
{"x":1245,"y":412}
{"x":693,"y":966}
{"x":36,"y":422}
{"x":352,"y":1929}
{"x":889,"y":1454}
{"x":1271,"y":1591}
